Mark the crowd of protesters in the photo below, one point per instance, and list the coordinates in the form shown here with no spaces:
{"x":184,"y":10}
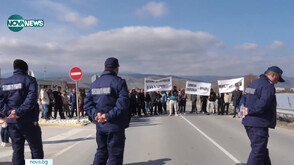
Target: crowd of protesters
{"x":141,"y":103}
{"x":60,"y":102}
{"x":219,"y":103}
{"x":174,"y":101}
{"x":157,"y":102}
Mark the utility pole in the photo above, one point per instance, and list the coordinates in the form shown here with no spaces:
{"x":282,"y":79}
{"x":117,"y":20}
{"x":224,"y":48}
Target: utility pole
{"x":44,"y":72}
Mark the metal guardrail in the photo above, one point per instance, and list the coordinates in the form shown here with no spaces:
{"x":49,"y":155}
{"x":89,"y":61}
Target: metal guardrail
{"x":286,"y":111}
{"x":285,"y":103}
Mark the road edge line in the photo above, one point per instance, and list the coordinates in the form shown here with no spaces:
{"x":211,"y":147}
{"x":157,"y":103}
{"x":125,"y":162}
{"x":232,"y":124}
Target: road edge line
{"x":212,"y":141}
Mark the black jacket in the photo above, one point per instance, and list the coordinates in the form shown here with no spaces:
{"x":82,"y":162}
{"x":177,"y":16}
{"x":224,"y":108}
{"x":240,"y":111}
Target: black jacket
{"x":236,"y":97}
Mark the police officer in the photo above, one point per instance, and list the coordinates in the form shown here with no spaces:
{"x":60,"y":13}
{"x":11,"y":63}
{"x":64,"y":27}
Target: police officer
{"x":107,"y":102}
{"x":18,"y":101}
{"x":260,"y":114}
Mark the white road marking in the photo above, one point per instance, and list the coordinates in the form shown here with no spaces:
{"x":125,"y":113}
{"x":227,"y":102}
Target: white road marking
{"x":62,"y":136}
{"x":212,"y":141}
{"x":71,"y":146}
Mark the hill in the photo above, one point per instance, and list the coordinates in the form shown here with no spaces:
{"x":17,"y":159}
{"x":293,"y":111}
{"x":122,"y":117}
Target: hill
{"x":136,"y":80}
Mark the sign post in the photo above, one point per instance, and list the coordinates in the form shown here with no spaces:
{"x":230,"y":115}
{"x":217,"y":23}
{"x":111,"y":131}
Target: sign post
{"x":76,"y":74}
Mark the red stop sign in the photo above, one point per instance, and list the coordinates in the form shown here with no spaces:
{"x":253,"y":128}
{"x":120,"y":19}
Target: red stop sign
{"x":75,"y":73}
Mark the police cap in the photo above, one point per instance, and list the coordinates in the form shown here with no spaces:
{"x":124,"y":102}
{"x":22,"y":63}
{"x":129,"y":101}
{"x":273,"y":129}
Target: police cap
{"x":111,"y":62}
{"x":20,"y":64}
{"x":278,"y":71}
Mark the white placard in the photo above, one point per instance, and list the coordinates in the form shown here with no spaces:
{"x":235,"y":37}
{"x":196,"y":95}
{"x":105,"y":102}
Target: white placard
{"x":164,"y":84}
{"x":226,"y":86}
{"x":198,"y":88}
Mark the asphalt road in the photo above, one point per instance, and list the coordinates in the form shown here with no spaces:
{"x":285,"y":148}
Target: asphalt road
{"x":176,"y":140}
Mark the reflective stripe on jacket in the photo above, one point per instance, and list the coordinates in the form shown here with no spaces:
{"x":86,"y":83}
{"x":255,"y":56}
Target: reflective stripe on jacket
{"x":20,"y":92}
{"x":109,"y":95}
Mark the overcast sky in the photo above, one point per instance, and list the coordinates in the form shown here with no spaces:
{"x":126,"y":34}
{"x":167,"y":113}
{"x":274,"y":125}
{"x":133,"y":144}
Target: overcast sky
{"x":190,"y":37}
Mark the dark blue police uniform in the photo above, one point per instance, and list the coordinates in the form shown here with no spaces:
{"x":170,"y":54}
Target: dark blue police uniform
{"x":20,"y":92}
{"x":260,"y":99}
{"x":109,"y":95}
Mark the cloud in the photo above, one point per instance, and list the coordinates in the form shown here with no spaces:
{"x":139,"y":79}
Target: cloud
{"x":276,"y":45}
{"x":155,"y":9}
{"x":66,"y":14}
{"x":140,"y":49}
{"x":248,"y":47}
{"x":74,"y":18}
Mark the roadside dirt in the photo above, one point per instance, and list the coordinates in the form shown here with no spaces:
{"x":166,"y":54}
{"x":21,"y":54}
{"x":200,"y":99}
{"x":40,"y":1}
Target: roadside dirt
{"x":286,"y":125}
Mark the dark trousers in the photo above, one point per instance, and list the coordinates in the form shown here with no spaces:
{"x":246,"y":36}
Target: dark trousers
{"x":259,"y":153}
{"x":49,"y":113}
{"x":194,"y":107}
{"x":164,"y":107}
{"x":220,"y":108}
{"x":60,"y":110}
{"x":73,"y":109}
{"x":142,"y":108}
{"x":159,"y":104}
{"x":66,"y":109}
{"x":110,"y":147}
{"x":133,"y":109}
{"x":182,"y":106}
{"x":155,"y":108}
{"x":151,"y":107}
{"x":25,"y":131}
{"x":81,"y":109}
{"x":226,"y":108}
{"x":5,"y":135}
{"x":236,"y":109}
{"x":138,"y":110}
{"x":203,"y":106}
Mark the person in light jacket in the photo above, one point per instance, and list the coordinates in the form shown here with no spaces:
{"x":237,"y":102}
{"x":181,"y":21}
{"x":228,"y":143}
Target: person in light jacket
{"x":44,"y":101}
{"x":227,"y":99}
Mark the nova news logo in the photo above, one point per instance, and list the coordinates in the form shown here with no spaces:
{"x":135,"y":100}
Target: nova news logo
{"x":15,"y":23}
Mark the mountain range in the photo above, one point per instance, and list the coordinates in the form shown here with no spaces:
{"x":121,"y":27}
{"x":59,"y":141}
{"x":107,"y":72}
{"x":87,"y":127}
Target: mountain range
{"x":136,"y":80}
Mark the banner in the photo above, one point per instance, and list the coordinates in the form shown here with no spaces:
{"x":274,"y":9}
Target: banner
{"x":226,"y":86}
{"x":198,"y":88}
{"x":164,"y":84}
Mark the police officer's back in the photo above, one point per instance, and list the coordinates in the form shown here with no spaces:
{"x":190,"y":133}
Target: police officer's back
{"x":107,"y":102}
{"x":18,"y":101}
